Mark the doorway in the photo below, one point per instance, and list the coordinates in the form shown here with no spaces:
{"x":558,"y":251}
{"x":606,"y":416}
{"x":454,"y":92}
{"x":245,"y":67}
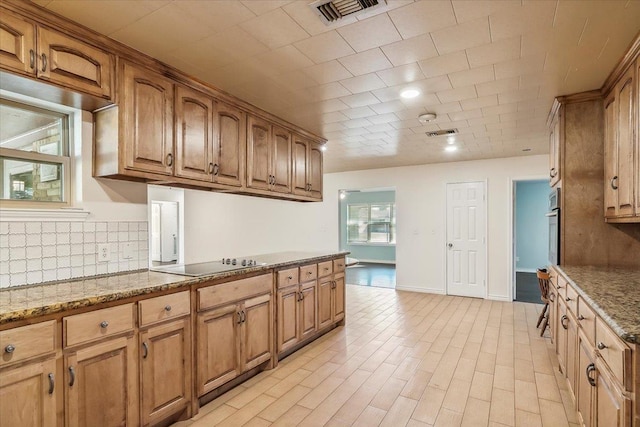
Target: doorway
{"x":466,"y":239}
{"x":530,"y":237}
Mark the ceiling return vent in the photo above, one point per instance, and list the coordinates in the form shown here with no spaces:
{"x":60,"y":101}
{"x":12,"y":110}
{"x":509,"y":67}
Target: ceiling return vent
{"x":442,"y":132}
{"x":332,"y":10}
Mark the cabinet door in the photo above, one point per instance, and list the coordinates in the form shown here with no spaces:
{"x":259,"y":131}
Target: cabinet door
{"x":610,"y":156}
{"x":584,"y":390}
{"x":637,"y":133}
{"x":613,"y":409}
{"x":258,"y":154}
{"x":308,"y":310}
{"x":194,"y":135}
{"x":281,"y":160}
{"x":554,"y":151}
{"x":256,"y":332}
{"x":287,"y":317}
{"x":300,"y":161}
{"x":101,"y":384}
{"x":230,"y":146}
{"x":338,"y":298}
{"x":314,"y":171}
{"x":325,"y":288}
{"x":147,"y":117}
{"x":218,"y":347}
{"x":74,"y":64}
{"x":561,"y":345}
{"x":626,"y":142}
{"x":17,"y":43}
{"x":165,"y":370}
{"x":552,"y":312}
{"x":571,"y":361}
{"x":27,"y":395}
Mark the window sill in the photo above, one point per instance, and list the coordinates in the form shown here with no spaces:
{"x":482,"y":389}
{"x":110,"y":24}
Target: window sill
{"x":41,"y":215}
{"x":370,"y":244}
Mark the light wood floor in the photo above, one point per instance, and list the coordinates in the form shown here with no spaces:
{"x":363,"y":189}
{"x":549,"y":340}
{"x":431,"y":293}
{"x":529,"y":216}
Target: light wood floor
{"x":409,"y":359}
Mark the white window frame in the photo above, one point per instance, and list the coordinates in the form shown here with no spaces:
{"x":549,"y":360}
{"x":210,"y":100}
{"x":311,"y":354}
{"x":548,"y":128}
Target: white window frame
{"x":368,"y":242}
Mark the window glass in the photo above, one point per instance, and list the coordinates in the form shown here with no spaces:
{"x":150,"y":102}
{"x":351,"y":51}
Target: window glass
{"x":371,"y":223}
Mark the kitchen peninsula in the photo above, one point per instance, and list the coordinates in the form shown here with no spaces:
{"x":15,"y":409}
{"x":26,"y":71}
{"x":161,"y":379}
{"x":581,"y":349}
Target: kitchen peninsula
{"x":152,"y":346}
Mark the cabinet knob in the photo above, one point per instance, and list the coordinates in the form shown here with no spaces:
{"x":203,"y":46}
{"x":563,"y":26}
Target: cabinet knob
{"x":309,"y":273}
{"x":104,"y":324}
{"x":562,"y":319}
{"x":216,"y":169}
{"x":553,"y":172}
{"x":167,"y":308}
{"x":601,"y":346}
{"x":581,"y":317}
{"x":289,"y":277}
{"x":567,"y":299}
{"x":9,"y":349}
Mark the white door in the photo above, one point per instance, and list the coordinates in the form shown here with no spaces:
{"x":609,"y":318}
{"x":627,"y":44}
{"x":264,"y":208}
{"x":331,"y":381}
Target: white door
{"x":466,"y":240}
{"x":169,"y":231}
{"x":156,"y":250}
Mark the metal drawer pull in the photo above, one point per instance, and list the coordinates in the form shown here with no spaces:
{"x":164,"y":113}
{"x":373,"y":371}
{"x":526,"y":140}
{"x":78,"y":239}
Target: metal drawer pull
{"x":104,"y":324}
{"x":614,"y":186}
{"x":553,"y":172}
{"x":32,"y":59}
{"x":167,"y":308}
{"x":239,"y":317}
{"x":562,"y":319}
{"x":169,"y":159}
{"x":52,"y":383}
{"x":309,"y":273}
{"x":581,"y":317}
{"x":210,"y":168}
{"x":44,"y":62}
{"x":601,"y":346}
{"x":9,"y":349}
{"x":216,"y":169}
{"x":591,"y":368}
{"x":567,"y":299}
{"x":289,"y":277}
{"x":145,"y":348}
{"x":72,"y":376}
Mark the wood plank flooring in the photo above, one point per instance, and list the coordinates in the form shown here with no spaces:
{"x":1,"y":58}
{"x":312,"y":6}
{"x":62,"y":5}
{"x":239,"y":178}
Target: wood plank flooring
{"x":409,"y":359}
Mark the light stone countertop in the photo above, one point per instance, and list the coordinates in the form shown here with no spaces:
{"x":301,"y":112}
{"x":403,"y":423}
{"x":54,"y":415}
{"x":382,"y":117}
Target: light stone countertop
{"x":23,"y":302}
{"x":614,"y":293}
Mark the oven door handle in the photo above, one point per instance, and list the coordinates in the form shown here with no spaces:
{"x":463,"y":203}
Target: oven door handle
{"x":552,"y":213}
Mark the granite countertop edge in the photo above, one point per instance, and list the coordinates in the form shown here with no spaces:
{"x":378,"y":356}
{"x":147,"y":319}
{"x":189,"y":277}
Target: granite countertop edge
{"x":629,"y":337}
{"x":180,"y":282}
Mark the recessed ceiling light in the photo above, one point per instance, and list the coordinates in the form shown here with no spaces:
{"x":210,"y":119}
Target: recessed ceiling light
{"x":426,"y":117}
{"x":409,"y":93}
{"x":450,"y":148}
{"x":451,"y":140}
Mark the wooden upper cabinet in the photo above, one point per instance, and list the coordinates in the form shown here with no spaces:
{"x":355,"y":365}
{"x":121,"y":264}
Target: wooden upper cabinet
{"x":315,"y":171}
{"x":229,"y":154}
{"x":307,"y":168}
{"x":555,"y":150}
{"x":17,"y":43}
{"x":50,"y":55}
{"x":194,"y":134}
{"x":281,"y":160}
{"x":258,"y":154}
{"x":620,"y":148}
{"x":146,"y":118}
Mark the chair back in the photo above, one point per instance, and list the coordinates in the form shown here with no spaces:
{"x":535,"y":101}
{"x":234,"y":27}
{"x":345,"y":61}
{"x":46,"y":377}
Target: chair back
{"x":543,"y":281}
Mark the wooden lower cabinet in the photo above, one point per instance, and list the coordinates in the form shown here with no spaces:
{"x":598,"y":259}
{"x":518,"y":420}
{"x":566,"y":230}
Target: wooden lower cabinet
{"x":165,"y":370}
{"x":28,"y":395}
{"x":325,"y":287}
{"x":561,"y":339}
{"x":101,"y":387}
{"x":233,"y":339}
{"x":297,"y":314}
{"x":612,"y":407}
{"x":584,"y":384}
{"x":337,"y":298}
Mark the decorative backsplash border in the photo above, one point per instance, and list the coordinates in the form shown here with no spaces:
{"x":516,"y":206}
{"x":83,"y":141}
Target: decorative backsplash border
{"x":36,"y":252}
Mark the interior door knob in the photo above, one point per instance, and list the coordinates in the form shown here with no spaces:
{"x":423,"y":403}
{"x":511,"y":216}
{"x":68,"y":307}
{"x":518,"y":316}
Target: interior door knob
{"x":450,"y":245}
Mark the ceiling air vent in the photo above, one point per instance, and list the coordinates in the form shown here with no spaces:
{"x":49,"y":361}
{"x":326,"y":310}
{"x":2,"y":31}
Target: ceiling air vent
{"x":442,"y":132}
{"x":332,"y":10}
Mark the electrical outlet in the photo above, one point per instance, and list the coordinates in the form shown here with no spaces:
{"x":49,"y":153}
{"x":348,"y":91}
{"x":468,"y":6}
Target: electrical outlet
{"x":127,"y":251}
{"x":104,"y":253}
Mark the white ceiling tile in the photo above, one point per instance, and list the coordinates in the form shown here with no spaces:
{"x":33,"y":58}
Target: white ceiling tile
{"x":402,"y":74}
{"x":282,"y":59}
{"x":360,"y":99}
{"x":449,"y":107}
{"x":533,"y":16}
{"x":518,"y":67}
{"x":467,"y":10}
{"x":458,"y":94}
{"x":356,"y":124}
{"x":462,"y":36}
{"x":324,"y":47}
{"x":260,"y":7}
{"x":388,"y":107}
{"x":465,"y":115}
{"x":332,"y":127}
{"x":275,"y":29}
{"x":327,"y":72}
{"x":472,"y":76}
{"x":217,"y":15}
{"x":331,"y":105}
{"x":363,"y":83}
{"x":498,"y":86}
{"x":444,"y":64}
{"x":518,"y":95}
{"x":383,"y":127}
{"x":485,"y":101}
{"x":492,"y":53}
{"x":356,"y":113}
{"x":333,"y":117}
{"x":366,"y":62}
{"x":324,"y":92}
{"x":373,"y":32}
{"x":422,"y":17}
{"x":234,"y":43}
{"x":383,"y":118}
{"x":410,"y":50}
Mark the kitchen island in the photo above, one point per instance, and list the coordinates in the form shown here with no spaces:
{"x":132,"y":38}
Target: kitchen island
{"x":152,"y":346}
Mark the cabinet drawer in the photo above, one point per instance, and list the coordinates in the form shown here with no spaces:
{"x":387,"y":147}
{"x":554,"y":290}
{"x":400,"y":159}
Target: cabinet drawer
{"x":22,"y":343}
{"x":308,"y":272}
{"x":288,"y":277}
{"x":97,"y":324}
{"x":587,"y":319}
{"x":338,"y":265}
{"x":614,"y":352}
{"x":562,"y":287}
{"x":165,"y":307}
{"x":237,"y":290}
{"x":572,"y":300}
{"x":325,"y":268}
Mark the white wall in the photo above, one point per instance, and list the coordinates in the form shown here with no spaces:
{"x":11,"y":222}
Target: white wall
{"x":220,"y":225}
{"x":169,"y":194}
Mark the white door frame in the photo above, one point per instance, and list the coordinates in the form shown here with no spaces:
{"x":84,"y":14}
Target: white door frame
{"x":486,"y":235}
{"x":511,"y":278}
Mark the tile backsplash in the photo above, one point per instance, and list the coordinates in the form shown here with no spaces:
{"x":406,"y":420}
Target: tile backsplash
{"x":36,"y":252}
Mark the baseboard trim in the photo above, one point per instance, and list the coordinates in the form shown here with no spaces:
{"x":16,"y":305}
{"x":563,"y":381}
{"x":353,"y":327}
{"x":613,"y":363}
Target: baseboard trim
{"x":421,"y":290}
{"x":376,"y":261}
{"x":499,"y":298}
{"x":526,"y":270}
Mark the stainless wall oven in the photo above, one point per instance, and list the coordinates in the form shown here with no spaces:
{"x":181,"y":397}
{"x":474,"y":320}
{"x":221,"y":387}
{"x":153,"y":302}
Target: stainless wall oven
{"x":554,"y":226}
